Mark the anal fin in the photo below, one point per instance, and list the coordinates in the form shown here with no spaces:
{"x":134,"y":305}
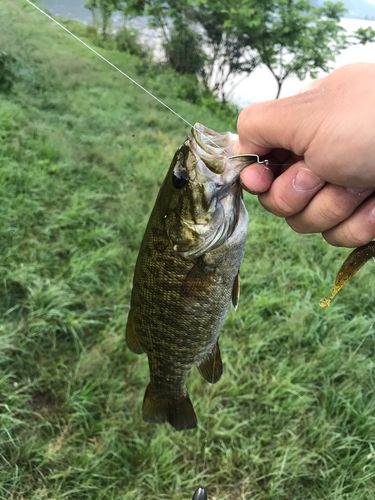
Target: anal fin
{"x":131,"y":336}
{"x":211,"y":367}
{"x":177,"y":410}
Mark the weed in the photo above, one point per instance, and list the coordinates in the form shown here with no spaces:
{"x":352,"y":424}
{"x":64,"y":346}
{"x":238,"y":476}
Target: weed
{"x":6,"y":72}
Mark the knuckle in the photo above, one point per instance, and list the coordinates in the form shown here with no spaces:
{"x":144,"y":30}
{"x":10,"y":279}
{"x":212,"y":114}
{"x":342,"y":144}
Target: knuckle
{"x":296,"y":225}
{"x":349,"y":235}
{"x":246,"y":117}
{"x":332,"y":210}
{"x":327,"y":235}
{"x":282,"y":207}
{"x":337,"y":240}
{"x":243,"y":120}
{"x":293,"y":226}
{"x":357,"y":236}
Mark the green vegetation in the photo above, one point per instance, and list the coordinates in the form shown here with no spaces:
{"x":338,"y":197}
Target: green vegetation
{"x":289,"y":37}
{"x":104,"y":10}
{"x":82,"y":153}
{"x":6,"y":75}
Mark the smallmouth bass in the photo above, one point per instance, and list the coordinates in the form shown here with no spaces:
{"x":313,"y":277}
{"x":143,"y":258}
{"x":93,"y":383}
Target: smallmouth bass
{"x":187,"y":272}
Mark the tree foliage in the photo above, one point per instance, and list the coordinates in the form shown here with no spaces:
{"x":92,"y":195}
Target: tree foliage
{"x":224,"y":45}
{"x":294,"y":38}
{"x":104,"y":10}
{"x":183,"y":49}
{"x":221,"y":39}
{"x":364,"y":35}
{"x":127,"y":40}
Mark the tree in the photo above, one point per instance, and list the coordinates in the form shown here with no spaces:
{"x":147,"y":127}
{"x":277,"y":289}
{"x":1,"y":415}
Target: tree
{"x":289,"y":37}
{"x":364,"y":35}
{"x":294,"y":39}
{"x":224,"y":46}
{"x":105,"y":8}
{"x":199,"y":26}
{"x":183,"y":49}
{"x":182,"y":44}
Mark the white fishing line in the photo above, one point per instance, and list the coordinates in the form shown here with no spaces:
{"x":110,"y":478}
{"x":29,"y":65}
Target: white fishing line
{"x":122,"y":72}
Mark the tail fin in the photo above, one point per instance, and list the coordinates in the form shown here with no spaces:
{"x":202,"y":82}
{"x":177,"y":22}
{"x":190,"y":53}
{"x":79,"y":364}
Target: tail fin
{"x":178,"y":411}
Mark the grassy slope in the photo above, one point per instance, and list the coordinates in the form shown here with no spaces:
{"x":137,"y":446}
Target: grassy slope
{"x":82,"y":153}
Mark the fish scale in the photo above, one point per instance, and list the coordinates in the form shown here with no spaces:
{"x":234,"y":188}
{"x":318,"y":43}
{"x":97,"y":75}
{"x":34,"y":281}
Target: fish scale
{"x":187,"y":274}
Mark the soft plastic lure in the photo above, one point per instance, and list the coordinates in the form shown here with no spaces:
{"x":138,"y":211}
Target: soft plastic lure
{"x":352,"y":264}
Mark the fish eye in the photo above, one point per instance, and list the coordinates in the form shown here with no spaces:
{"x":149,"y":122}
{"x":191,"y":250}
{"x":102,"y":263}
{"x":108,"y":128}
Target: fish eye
{"x":180,"y":179}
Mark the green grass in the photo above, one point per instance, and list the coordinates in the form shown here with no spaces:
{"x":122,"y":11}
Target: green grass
{"x":82,"y":153}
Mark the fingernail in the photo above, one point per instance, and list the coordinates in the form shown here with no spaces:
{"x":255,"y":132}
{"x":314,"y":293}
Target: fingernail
{"x":305,"y":180}
{"x":356,"y":190}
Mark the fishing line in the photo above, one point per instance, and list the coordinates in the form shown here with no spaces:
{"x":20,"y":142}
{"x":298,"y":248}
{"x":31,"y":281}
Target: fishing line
{"x":122,"y":72}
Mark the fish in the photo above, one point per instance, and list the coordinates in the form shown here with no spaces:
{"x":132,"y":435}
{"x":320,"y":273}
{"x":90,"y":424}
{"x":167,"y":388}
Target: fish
{"x":353,"y":263}
{"x":187,"y":272}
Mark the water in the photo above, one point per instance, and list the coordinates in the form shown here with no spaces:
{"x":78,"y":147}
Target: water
{"x":74,"y":9}
{"x":257,"y":87}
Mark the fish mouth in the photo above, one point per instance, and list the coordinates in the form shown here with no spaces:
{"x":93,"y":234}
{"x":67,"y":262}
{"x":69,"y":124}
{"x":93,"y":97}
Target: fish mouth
{"x":213,"y":142}
{"x":215,"y":167}
{"x":212,"y":147}
{"x":215,"y":149}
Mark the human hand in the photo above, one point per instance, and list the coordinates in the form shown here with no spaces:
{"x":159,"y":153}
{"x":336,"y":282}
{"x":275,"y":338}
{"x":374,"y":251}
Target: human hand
{"x":323,"y":140}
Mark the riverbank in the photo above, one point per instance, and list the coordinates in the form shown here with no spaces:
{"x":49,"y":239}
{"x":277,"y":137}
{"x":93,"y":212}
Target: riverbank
{"x":82,"y":155}
{"x":260,"y":85}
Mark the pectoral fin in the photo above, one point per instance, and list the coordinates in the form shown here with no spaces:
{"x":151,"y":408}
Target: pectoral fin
{"x":198,"y":282}
{"x":236,"y":291}
{"x":211,"y":367}
{"x":131,"y":336}
{"x":351,"y":265}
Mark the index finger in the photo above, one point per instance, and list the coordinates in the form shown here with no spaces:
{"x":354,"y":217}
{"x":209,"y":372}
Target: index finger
{"x":287,"y":123}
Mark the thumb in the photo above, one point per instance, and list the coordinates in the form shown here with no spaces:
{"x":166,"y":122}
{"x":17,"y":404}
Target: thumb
{"x":286,"y":123}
